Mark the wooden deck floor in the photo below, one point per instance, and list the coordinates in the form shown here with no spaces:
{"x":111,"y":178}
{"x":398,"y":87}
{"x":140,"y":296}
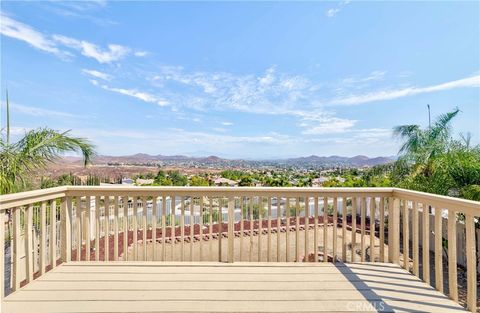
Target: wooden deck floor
{"x":220,"y":287}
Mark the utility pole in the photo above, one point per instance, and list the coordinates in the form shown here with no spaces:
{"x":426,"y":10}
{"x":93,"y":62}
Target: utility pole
{"x":429,"y":122}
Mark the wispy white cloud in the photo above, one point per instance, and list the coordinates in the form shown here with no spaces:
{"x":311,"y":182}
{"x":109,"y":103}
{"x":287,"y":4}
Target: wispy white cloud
{"x":36,"y":111}
{"x":141,"y":95}
{"x":227,"y":123}
{"x":332,"y":12}
{"x":59,"y":44}
{"x":328,"y":126}
{"x":373,"y":76}
{"x":112,"y":53}
{"x":97,"y":74}
{"x":140,"y":53}
{"x":14,"y":29}
{"x":384,"y":95}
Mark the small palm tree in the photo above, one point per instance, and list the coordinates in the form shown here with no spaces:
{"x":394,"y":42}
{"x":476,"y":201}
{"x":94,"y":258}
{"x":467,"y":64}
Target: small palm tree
{"x":33,"y":152}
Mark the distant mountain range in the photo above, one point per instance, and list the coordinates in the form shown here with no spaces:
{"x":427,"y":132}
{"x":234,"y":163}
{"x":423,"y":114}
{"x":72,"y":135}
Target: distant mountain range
{"x":310,"y":161}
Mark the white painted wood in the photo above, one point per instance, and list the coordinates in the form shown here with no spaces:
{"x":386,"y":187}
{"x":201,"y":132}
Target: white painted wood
{"x":66,"y":232}
{"x":471,"y":264}
{"x":215,"y":287}
{"x":28,"y":228}
{"x":438,"y":250}
{"x":43,"y":237}
{"x":452,"y":256}
{"x":363,"y":210}
{"x":415,"y":240}
{"x":53,"y":234}
{"x":425,"y":243}
{"x":382,"y":228}
{"x":335,"y":239}
{"x":115,"y":228}
{"x":344,"y":229}
{"x":16,"y":277}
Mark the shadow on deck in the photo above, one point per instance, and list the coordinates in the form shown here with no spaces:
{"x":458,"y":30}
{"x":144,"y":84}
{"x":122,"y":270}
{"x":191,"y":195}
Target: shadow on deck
{"x":222,"y":287}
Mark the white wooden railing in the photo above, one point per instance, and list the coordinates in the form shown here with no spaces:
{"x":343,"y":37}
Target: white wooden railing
{"x":46,"y":227}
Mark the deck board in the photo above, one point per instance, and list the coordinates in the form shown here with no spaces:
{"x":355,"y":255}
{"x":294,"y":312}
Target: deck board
{"x":220,"y":287}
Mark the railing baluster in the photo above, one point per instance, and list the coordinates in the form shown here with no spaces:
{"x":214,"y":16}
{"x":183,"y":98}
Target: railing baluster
{"x":28,"y":242}
{"x":250,"y":207}
{"x":325,"y":229}
{"x":200,"y":231}
{"x":382,"y":228}
{"x":78,"y":223}
{"x":406,"y":237}
{"x":363,"y":209}
{"x":231,"y":236}
{"x":126,"y":228}
{"x":438,"y":249}
{"x":172,"y":226}
{"x":287,"y":231}
{"x":426,"y":244}
{"x":16,"y":248}
{"x":297,"y":230}
{"x":164,"y":225}
{"x":279,"y":225}
{"x":242,"y":230}
{"x":344,"y":229}
{"x":220,"y":228}
{"x":415,"y":240}
{"x":106,"y":214}
{"x":43,"y":237}
{"x":210,"y":227}
{"x":306,"y":226}
{"x":87,"y":228}
{"x":154,"y":227}
{"x":191,"y":232}
{"x":66,"y":233}
{"x":135,"y":227}
{"x":2,"y":255}
{"x":315,"y":234}
{"x":471,"y":263}
{"x":115,"y":228}
{"x":354,"y":228}
{"x":260,"y":228}
{"x":182,"y":228}
{"x":97,"y":229}
{"x":335,"y":216}
{"x":452,"y":255}
{"x":269,"y":228}
{"x":373,"y":209}
{"x":144,"y":226}
{"x":53,"y":233}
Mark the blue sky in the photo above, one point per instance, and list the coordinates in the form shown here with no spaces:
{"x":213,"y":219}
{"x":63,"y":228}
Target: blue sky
{"x":250,"y":80}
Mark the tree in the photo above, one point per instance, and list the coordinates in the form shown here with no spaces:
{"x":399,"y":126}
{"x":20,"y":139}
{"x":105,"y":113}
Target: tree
{"x":422,"y":146}
{"x":198,"y":181}
{"x":177,"y":178}
{"x":35,"y":151}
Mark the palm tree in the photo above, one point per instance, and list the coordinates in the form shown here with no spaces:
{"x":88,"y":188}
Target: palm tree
{"x":35,"y":151}
{"x":422,"y":146}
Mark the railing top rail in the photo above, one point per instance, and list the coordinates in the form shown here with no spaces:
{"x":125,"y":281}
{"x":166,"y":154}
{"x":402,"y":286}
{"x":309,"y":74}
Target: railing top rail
{"x":458,"y":204}
{"x":227,"y":191}
{"x":24,"y":198}
{"x":28,"y":197}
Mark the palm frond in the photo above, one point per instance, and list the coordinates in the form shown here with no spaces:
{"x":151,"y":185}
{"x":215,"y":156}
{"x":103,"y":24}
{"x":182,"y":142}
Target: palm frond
{"x":412,"y":136}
